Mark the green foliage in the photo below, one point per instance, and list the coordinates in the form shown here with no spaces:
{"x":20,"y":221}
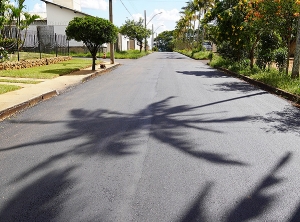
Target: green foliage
{"x":135,"y":30}
{"x":93,"y":32}
{"x":165,"y":41}
{"x":155,"y":49}
{"x":280,"y":58}
{"x":3,"y":54}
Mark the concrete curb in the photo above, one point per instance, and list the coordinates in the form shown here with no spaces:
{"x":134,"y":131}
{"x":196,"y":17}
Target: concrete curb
{"x":18,"y":108}
{"x":286,"y":95}
{"x":6,"y":113}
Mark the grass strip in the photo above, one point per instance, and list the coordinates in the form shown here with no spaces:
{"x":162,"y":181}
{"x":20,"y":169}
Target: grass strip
{"x":20,"y":81}
{"x":130,"y":54}
{"x":7,"y":88}
{"x":49,"y":71}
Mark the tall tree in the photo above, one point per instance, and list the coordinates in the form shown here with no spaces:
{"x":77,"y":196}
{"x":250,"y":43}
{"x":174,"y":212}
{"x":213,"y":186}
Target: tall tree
{"x":93,"y":32}
{"x":135,"y":30}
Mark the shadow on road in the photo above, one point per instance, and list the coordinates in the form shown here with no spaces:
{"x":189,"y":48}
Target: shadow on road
{"x":113,"y":134}
{"x":42,"y":200}
{"x":208,"y":73}
{"x":250,"y":207}
{"x":287,"y":120}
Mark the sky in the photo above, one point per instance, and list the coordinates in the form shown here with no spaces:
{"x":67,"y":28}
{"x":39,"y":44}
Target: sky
{"x":127,"y":9}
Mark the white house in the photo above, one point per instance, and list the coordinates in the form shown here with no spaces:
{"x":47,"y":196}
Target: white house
{"x":58,"y":15}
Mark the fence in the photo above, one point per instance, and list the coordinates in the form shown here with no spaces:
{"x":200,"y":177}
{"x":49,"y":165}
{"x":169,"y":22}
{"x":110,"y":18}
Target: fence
{"x":36,"y":45}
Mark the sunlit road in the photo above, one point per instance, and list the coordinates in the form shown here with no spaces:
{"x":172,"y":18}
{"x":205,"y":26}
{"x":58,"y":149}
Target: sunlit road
{"x":162,"y":138}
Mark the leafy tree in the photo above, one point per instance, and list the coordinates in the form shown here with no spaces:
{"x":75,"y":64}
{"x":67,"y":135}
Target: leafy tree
{"x":135,"y":30}
{"x":93,"y":32}
{"x":3,"y":4}
{"x":164,"y":41}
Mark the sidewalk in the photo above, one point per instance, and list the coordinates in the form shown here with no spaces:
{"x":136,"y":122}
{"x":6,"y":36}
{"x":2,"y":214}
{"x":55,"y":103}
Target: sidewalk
{"x":31,"y":94}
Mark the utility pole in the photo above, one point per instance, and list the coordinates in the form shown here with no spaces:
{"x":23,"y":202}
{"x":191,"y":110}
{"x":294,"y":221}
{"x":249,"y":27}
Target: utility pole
{"x":145,"y":28}
{"x":112,"y":51}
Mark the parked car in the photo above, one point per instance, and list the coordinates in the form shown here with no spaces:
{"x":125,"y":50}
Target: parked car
{"x":207,"y":46}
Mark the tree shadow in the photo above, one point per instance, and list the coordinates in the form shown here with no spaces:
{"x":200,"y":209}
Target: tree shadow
{"x":108,"y":133}
{"x":195,"y":212}
{"x":287,"y":120}
{"x":250,"y":206}
{"x":208,"y":73}
{"x":41,"y":200}
{"x":236,"y":86}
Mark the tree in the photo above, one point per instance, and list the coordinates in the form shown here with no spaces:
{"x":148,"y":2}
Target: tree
{"x":164,"y":41}
{"x":93,"y":32}
{"x":135,"y":30}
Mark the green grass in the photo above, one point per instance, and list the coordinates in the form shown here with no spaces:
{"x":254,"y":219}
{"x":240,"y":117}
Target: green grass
{"x":270,"y":77}
{"x":20,"y":81}
{"x":48,"y":71}
{"x":8,"y":88}
{"x":130,"y":54}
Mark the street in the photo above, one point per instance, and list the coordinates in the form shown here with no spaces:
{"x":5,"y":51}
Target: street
{"x":161,"y":138}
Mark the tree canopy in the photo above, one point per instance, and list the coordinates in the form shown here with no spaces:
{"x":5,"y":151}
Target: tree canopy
{"x":164,"y":41}
{"x":93,"y":32}
{"x":135,"y":30}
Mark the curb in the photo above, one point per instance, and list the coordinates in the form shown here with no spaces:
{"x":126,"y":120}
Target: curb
{"x":18,"y":108}
{"x":286,"y":95}
{"x":32,"y":102}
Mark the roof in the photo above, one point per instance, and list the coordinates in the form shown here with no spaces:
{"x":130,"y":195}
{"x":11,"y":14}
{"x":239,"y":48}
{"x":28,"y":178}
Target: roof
{"x":64,"y":7}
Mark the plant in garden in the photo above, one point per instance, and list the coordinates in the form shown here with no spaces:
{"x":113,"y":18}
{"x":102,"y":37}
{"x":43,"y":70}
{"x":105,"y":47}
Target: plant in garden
{"x":93,"y":32}
{"x":3,"y":54}
{"x":135,"y":30}
{"x":280,"y":58}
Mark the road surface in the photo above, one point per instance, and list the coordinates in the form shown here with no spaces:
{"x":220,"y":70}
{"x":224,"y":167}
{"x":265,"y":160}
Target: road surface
{"x":161,"y":138}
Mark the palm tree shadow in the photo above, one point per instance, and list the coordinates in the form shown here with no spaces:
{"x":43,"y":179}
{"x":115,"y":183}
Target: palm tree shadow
{"x":115,"y":134}
{"x":251,"y":206}
{"x":255,"y":203}
{"x":40,"y":200}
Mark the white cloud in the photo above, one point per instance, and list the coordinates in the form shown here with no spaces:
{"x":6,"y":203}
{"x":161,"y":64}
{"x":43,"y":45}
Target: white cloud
{"x":39,"y":7}
{"x":94,"y":4}
{"x":172,"y":15}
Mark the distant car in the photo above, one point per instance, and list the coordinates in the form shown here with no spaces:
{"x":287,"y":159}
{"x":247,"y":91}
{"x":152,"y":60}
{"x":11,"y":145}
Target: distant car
{"x":207,"y":46}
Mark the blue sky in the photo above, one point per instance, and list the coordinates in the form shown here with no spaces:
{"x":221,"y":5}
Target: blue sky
{"x":131,"y":9}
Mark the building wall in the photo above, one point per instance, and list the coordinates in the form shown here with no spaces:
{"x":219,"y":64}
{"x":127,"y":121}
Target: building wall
{"x":60,"y":18}
{"x":72,"y":4}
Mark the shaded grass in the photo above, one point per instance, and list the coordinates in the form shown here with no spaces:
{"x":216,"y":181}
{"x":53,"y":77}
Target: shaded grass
{"x":49,"y":71}
{"x":8,"y":88}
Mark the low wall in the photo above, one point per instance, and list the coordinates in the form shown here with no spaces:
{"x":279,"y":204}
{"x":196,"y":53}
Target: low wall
{"x":33,"y":63}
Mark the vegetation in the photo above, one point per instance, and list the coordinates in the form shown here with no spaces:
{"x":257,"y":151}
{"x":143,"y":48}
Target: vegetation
{"x":129,"y":54}
{"x":11,"y":17}
{"x":49,"y":71}
{"x":255,"y":38}
{"x":165,"y":41}
{"x":8,"y":88}
{"x":93,"y":32}
{"x":135,"y":30}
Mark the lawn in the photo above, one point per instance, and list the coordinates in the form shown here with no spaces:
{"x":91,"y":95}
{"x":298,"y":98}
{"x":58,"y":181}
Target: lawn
{"x":8,"y":88}
{"x":41,"y":72}
{"x":49,"y":71}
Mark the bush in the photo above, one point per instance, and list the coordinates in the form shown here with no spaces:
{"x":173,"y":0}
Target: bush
{"x":280,"y":58}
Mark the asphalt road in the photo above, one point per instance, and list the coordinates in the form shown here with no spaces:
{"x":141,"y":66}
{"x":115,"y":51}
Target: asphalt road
{"x":162,"y":138}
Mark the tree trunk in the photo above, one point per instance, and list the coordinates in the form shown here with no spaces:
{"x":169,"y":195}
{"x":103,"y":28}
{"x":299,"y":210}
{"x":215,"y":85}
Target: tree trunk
{"x":288,"y":56}
{"x":94,"y":61}
{"x":296,"y":64}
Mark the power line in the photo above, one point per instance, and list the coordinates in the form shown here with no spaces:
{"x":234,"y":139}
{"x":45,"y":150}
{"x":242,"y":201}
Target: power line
{"x":126,"y":8}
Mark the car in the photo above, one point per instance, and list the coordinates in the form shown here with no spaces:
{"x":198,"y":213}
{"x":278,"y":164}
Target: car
{"x":207,"y":46}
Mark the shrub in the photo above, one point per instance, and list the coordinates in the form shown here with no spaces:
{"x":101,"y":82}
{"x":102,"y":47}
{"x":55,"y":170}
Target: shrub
{"x":280,"y":58}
